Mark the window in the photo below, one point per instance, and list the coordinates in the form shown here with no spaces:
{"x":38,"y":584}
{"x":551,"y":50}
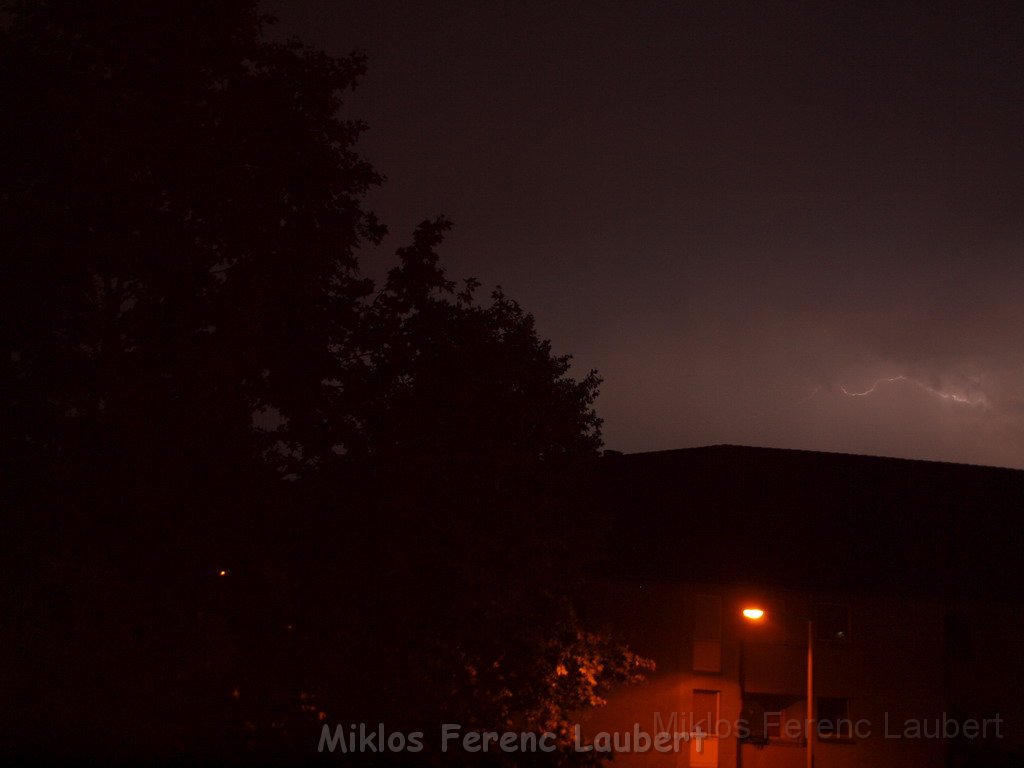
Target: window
{"x":707,"y":633}
{"x":773,"y":717}
{"x":831,"y":622}
{"x":833,"y":719}
{"x":705,"y":711}
{"x":704,"y":751}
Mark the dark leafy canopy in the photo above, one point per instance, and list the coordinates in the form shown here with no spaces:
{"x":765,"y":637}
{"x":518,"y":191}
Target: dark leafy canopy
{"x":477,"y":375}
{"x":182,"y":206}
{"x":198,"y":378}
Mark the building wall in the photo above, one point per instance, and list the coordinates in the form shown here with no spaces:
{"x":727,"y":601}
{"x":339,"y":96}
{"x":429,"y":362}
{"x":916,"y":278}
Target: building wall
{"x":892,"y":669}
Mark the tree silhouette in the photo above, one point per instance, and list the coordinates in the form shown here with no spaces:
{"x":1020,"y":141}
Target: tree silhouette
{"x":182,"y":203}
{"x":249,"y":489}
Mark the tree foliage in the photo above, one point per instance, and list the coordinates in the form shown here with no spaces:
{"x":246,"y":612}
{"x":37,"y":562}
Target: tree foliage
{"x":199,"y":379}
{"x":182,"y":208}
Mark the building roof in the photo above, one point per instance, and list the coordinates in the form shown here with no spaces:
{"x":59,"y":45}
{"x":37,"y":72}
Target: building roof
{"x":820,"y":520}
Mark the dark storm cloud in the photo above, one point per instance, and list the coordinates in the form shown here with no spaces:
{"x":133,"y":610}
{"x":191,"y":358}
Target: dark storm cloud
{"x":734,"y":212}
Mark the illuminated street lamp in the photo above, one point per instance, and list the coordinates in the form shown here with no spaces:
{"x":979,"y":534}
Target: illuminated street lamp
{"x":756,"y":615}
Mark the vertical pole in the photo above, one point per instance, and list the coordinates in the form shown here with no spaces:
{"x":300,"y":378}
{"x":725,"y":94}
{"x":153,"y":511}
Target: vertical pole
{"x":811,"y":726}
{"x":743,"y":685}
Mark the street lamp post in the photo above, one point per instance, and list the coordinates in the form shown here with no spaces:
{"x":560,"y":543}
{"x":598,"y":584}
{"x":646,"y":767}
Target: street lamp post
{"x":754,"y":614}
{"x":811,"y":724}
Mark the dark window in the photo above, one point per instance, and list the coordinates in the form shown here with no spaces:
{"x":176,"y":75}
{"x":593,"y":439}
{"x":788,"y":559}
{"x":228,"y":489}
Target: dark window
{"x":770,"y":716}
{"x":831,"y":621}
{"x":833,"y":718}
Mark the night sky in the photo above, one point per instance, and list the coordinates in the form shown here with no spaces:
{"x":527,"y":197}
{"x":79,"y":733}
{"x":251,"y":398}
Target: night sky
{"x":741,"y":214}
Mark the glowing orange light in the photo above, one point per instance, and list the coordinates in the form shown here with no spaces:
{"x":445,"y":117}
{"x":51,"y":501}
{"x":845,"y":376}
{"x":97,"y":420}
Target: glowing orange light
{"x":754,"y":614}
{"x":222,"y":573}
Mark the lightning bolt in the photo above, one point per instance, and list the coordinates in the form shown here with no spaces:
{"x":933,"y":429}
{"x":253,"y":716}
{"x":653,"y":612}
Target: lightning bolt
{"x":952,"y":397}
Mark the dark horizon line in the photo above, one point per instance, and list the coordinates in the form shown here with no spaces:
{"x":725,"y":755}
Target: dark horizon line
{"x":612,"y":453}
